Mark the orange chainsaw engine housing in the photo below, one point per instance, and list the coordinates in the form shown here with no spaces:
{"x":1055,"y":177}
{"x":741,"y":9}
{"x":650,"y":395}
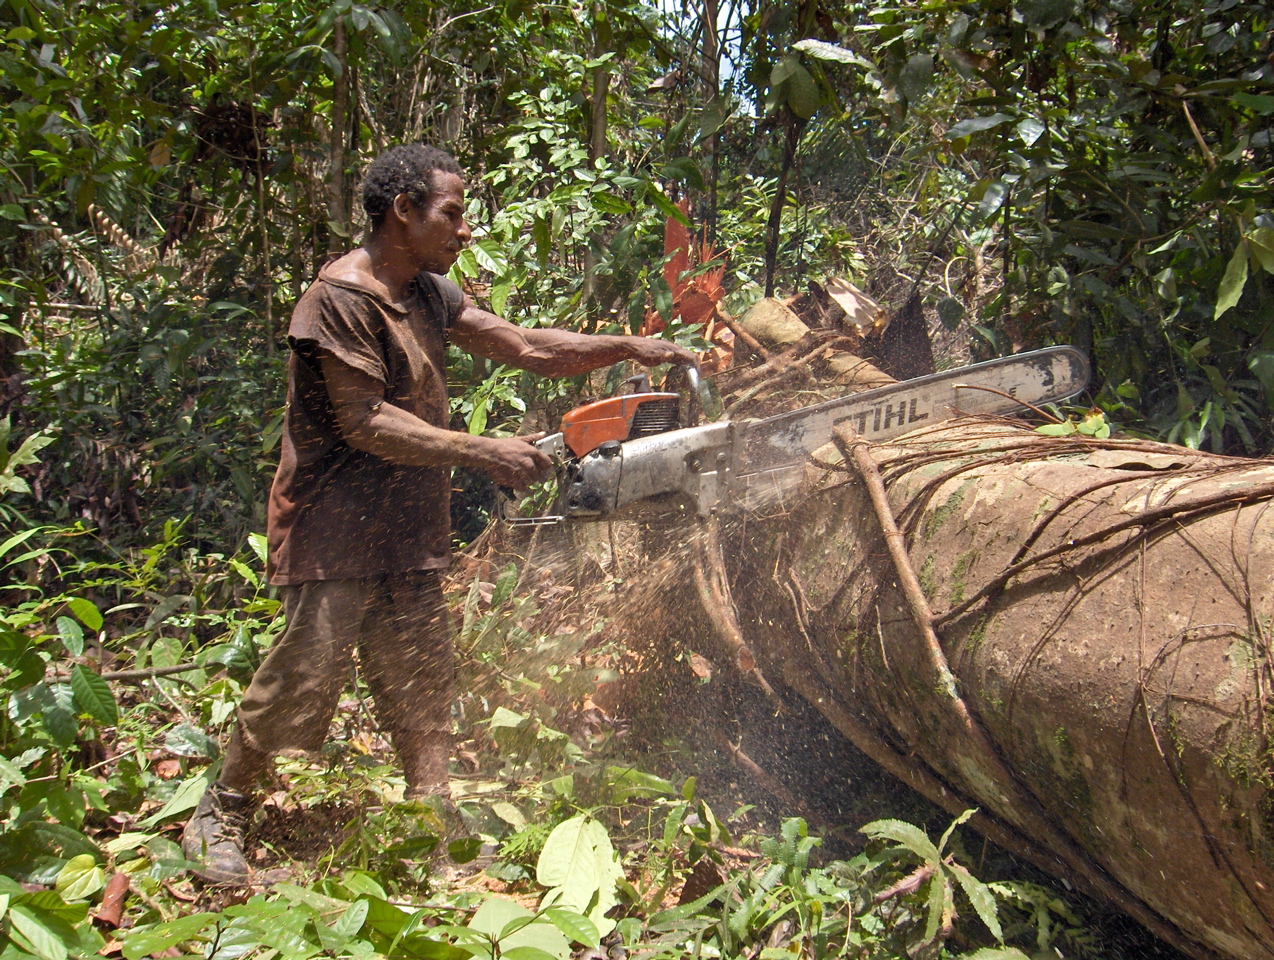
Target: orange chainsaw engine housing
{"x":619,"y":418}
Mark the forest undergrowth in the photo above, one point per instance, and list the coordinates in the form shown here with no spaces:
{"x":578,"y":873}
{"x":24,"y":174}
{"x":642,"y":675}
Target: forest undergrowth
{"x":592,"y":834}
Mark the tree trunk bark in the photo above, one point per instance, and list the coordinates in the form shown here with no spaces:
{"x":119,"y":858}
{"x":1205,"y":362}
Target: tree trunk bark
{"x":338,"y":201}
{"x":1083,"y":654}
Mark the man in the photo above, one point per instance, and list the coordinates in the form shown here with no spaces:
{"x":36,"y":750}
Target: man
{"x":358,"y":516}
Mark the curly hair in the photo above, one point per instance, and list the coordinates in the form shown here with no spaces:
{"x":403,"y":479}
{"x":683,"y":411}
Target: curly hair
{"x":406,"y":169}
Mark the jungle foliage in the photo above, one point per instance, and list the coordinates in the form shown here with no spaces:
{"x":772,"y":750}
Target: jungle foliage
{"x":171,"y":177}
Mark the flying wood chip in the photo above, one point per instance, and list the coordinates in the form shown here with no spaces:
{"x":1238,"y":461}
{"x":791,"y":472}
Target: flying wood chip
{"x":861,"y":311}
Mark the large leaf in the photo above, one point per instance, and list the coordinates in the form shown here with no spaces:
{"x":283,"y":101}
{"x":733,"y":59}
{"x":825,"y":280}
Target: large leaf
{"x":72,"y":636}
{"x":916,"y":73}
{"x":185,"y":798}
{"x":80,"y":878}
{"x":821,"y":50}
{"x":910,"y":836}
{"x":981,"y":897}
{"x":1233,"y":282}
{"x":803,"y":96}
{"x":34,"y":933}
{"x":93,"y":694}
{"x":496,"y":914}
{"x":158,"y":937}
{"x":1042,"y":14}
{"x":976,"y":125}
{"x":86,"y":611}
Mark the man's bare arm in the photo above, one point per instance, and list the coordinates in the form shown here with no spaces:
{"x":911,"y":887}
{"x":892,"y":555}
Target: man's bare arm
{"x":371,"y":424}
{"x":556,"y":353}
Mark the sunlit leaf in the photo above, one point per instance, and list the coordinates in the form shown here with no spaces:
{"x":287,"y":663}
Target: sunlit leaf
{"x":974,"y":125}
{"x":1233,"y":282}
{"x":80,"y":878}
{"x":94,"y":696}
{"x":86,"y":611}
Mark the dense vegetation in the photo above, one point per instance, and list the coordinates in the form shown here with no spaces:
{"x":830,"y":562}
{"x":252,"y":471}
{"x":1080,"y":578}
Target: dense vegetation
{"x":172,"y":175}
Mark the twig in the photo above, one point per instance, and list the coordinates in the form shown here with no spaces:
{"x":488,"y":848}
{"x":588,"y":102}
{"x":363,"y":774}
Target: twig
{"x":152,"y":672}
{"x":764,"y":779}
{"x":1008,"y":396}
{"x":1198,"y":137}
{"x":751,"y":342}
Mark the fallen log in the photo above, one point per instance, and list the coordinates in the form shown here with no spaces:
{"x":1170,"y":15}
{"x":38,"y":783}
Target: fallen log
{"x":1072,"y":635}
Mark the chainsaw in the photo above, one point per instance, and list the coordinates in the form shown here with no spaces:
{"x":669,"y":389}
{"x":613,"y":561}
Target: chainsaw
{"x":631,"y":456}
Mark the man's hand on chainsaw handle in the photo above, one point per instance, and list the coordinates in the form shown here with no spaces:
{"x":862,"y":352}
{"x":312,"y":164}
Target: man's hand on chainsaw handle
{"x":515,"y":462}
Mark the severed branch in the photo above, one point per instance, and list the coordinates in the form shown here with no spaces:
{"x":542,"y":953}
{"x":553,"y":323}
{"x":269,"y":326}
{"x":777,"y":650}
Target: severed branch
{"x":766,"y":780}
{"x":714,"y":593}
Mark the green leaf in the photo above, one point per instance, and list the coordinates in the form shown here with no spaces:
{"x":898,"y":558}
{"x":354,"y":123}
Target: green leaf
{"x":992,"y":199}
{"x":981,"y":897}
{"x":663,"y":205}
{"x":259,"y":544}
{"x":1233,"y":282}
{"x":478,"y":418}
{"x":996,"y":953}
{"x":1043,"y":14}
{"x":916,"y":73}
{"x":490,"y":256}
{"x":803,"y":96}
{"x":1063,"y":429}
{"x":351,"y":922}
{"x":465,"y":849}
{"x":911,"y":837}
{"x":187,"y":740}
{"x":33,"y":934}
{"x":1261,"y":363}
{"x":950,"y":312}
{"x":974,"y":125}
{"x":72,"y":636}
{"x":1262,"y":103}
{"x":80,"y":878}
{"x":1261,"y":244}
{"x":957,"y":822}
{"x":568,"y":860}
{"x":577,"y":927}
{"x":500,"y":291}
{"x":1030,"y":130}
{"x":185,"y":798}
{"x":86,"y":611}
{"x":543,"y":240}
{"x":11,"y":211}
{"x":496,"y":913}
{"x":18,"y":538}
{"x":937,"y":900}
{"x":527,"y":953}
{"x":93,"y":694}
{"x":158,"y":937}
{"x":821,"y":50}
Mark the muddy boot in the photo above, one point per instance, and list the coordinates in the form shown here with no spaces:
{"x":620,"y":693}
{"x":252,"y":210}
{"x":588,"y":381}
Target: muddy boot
{"x":213,"y":836}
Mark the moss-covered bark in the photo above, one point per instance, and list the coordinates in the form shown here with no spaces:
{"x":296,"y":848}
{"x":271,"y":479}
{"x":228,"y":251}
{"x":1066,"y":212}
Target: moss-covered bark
{"x":1122,"y":680}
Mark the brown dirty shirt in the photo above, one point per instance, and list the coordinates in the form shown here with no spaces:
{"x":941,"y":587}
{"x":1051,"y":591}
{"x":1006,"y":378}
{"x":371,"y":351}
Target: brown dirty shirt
{"x":337,"y":513}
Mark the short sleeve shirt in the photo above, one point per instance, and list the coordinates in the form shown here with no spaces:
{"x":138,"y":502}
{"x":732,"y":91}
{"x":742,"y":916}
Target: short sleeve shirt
{"x":337,"y":513}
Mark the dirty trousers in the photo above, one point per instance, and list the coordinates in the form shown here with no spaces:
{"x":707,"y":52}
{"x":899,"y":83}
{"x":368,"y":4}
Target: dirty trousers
{"x":399,"y":624}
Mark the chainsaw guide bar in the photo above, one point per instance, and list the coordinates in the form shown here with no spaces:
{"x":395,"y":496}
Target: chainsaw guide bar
{"x":749,"y":465}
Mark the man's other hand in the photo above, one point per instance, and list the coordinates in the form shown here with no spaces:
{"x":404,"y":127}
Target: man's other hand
{"x":515,"y":462}
{"x":650,"y":353}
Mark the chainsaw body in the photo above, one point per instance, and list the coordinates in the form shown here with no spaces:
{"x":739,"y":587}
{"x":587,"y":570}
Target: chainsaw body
{"x":626,"y":457}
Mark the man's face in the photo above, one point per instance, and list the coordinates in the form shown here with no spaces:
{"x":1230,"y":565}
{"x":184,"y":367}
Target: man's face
{"x":437,"y":232}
